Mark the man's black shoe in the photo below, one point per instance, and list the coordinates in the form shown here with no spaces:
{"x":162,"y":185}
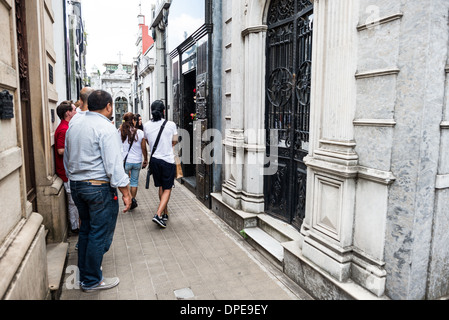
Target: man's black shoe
{"x":159,"y":221}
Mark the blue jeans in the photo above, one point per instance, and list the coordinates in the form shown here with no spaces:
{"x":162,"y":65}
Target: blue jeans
{"x":98,"y":210}
{"x":133,"y":169}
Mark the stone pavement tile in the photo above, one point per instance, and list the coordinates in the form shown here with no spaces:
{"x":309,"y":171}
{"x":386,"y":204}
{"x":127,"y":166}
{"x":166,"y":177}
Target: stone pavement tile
{"x":127,"y":294}
{"x":161,"y":287}
{"x":145,"y":293}
{"x":242,"y":293}
{"x":148,"y":248}
{"x":140,"y":276}
{"x":70,"y":294}
{"x":182,"y":282}
{"x":208,"y":296}
{"x":223,"y":295}
{"x":173,"y":269}
{"x":88,"y":296}
{"x":160,"y":279}
{"x":126,"y":283}
{"x":200,"y":289}
{"x":112,"y":294}
{"x":166,"y":295}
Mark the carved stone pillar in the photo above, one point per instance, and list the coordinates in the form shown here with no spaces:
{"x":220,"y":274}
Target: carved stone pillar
{"x":234,"y":139}
{"x":332,"y":162}
{"x":347,"y":197}
{"x":254,"y":148}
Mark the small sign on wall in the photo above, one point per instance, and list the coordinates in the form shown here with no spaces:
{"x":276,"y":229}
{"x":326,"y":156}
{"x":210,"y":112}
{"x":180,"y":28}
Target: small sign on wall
{"x":6,"y":105}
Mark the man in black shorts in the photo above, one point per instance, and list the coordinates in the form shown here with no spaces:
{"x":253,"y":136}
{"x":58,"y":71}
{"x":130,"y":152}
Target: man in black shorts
{"x":162,"y":163}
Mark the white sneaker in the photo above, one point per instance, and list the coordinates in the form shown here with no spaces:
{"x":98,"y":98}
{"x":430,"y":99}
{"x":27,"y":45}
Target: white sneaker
{"x":107,"y":283}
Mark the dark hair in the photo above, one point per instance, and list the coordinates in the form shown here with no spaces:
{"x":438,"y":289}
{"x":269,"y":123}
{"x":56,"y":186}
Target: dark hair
{"x":98,"y":100}
{"x":127,"y":129}
{"x":136,"y":118}
{"x":62,"y":109}
{"x":157,"y":110}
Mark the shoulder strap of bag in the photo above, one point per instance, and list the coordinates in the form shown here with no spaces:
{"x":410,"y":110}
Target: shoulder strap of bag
{"x":130,"y":146}
{"x":147,"y":184}
{"x":158,"y":138}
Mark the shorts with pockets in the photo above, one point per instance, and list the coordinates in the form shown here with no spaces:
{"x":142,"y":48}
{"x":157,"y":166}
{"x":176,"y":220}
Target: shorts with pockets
{"x":163,"y":173}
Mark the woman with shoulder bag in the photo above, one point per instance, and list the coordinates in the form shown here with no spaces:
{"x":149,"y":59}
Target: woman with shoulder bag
{"x":134,"y":147}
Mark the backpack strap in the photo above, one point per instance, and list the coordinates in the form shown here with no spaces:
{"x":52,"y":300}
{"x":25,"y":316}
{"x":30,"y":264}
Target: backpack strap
{"x":158,"y":138}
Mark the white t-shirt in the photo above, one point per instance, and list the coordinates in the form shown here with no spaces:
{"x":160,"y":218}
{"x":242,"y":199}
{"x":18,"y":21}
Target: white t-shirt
{"x":135,"y":154}
{"x":164,"y":150}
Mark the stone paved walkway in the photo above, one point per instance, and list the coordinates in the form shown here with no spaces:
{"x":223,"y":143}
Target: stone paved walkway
{"x":198,"y":257}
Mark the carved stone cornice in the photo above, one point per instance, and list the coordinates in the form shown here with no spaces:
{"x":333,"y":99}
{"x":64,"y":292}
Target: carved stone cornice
{"x":254,"y":29}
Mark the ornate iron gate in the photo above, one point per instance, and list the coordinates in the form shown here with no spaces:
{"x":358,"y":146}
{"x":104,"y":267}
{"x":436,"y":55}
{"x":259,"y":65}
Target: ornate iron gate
{"x":289,"y":50}
{"x":121,"y":107}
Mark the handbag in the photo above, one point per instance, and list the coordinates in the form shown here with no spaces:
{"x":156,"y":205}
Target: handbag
{"x":147,"y":184}
{"x":179,"y":173}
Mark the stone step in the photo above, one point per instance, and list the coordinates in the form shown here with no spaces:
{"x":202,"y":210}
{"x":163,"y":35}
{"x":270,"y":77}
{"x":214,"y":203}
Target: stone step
{"x":56,"y":261}
{"x":281,"y":231}
{"x":236,"y":219}
{"x":266,"y":245}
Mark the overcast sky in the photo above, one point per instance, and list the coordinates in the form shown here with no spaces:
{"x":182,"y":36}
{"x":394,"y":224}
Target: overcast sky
{"x":112,"y":27}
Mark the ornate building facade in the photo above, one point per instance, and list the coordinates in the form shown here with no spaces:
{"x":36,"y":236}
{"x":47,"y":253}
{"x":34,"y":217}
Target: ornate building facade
{"x":116,"y":80}
{"x":335,"y":115}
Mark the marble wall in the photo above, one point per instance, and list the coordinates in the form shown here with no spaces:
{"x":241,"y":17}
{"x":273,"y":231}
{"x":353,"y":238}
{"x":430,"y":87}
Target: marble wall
{"x":416,"y":148}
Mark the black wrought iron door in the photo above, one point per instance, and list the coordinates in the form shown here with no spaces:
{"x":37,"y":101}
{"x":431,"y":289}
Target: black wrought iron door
{"x":289,"y":50}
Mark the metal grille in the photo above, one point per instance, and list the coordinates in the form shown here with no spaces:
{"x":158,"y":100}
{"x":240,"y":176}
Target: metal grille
{"x":121,"y":107}
{"x":289,"y":50}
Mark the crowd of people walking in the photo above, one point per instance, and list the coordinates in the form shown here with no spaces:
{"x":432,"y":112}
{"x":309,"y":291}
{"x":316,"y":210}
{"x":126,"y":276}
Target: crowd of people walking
{"x":96,"y":162}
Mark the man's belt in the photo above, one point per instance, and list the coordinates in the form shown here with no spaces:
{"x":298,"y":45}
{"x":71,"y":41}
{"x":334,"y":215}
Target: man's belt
{"x":97,"y":182}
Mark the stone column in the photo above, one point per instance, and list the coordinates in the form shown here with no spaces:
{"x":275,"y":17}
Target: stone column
{"x":255,"y":145}
{"x":332,"y":162}
{"x":234,"y":139}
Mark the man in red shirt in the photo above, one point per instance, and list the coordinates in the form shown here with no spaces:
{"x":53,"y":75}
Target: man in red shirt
{"x":66,"y":111}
